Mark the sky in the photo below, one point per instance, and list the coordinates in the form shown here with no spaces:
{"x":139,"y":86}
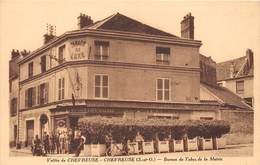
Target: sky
{"x":226,"y":29}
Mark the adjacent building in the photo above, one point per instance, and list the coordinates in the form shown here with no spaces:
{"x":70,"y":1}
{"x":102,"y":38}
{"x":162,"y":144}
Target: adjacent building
{"x":238,"y":76}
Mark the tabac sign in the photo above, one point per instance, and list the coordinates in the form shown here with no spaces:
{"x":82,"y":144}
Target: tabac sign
{"x":79,"y":50}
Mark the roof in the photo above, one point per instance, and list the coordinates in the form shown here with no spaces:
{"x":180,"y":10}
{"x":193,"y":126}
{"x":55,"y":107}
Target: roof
{"x":226,"y":97}
{"x":120,"y":22}
{"x":240,"y":68}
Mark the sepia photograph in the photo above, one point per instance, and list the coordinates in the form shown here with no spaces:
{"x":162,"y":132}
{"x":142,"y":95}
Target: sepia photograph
{"x":129,"y":81}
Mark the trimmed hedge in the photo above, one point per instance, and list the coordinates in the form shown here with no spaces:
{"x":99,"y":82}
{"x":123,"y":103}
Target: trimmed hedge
{"x":95,"y":128}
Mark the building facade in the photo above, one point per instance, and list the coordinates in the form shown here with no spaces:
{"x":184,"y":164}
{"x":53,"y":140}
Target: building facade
{"x":238,"y":76}
{"x":113,"y":67}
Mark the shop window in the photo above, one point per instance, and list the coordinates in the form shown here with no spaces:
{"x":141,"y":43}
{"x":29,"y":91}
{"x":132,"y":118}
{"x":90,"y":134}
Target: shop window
{"x":61,"y":89}
{"x":162,"y":55}
{"x":101,"y":50}
{"x":30,"y":69}
{"x":101,"y":86}
{"x":240,"y":87}
{"x":163,"y":89}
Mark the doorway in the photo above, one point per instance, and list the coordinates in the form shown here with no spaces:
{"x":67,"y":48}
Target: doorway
{"x":29,"y":131}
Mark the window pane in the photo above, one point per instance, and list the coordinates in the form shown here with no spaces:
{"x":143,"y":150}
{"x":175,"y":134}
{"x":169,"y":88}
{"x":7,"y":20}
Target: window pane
{"x":166,"y":84}
{"x":105,"y":51}
{"x":59,"y":95}
{"x":105,"y":92}
{"x":159,"y":94}
{"x":159,"y":84}
{"x":158,"y":57}
{"x":105,"y":80}
{"x":62,"y":94}
{"x":97,"y":91}
{"x":97,"y":80}
{"x":59,"y":83}
{"x":97,"y":50}
{"x":166,"y":95}
{"x":165,"y":57}
{"x":63,"y":82}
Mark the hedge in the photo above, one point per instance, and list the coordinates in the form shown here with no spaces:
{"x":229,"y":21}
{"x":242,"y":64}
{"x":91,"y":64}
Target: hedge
{"x":95,"y":128}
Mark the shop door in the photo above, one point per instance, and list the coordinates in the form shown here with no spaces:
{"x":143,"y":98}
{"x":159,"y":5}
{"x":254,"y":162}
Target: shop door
{"x":29,"y":131}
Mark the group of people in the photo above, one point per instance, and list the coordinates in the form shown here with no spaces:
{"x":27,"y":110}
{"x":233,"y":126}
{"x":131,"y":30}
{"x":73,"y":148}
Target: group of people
{"x":60,"y":143}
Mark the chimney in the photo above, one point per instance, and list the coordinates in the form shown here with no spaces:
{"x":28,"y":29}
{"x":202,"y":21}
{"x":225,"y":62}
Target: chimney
{"x":84,"y":20}
{"x":187,"y":27}
{"x":51,"y":33}
{"x":15,"y":54}
{"x":250,"y":57}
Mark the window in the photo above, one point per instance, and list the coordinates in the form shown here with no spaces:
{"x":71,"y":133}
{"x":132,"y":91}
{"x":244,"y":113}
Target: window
{"x":30,"y":69}
{"x":101,"y":50}
{"x":162,"y":55}
{"x":13,"y":107}
{"x":30,"y":97}
{"x":43,"y":93}
{"x":43,"y":64}
{"x":61,"y":88}
{"x":61,"y":54}
{"x":163,"y":89}
{"x":240,"y":87}
{"x":101,"y":86}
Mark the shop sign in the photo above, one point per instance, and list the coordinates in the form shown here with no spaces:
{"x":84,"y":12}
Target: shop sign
{"x":79,"y":50}
{"x":92,"y":110}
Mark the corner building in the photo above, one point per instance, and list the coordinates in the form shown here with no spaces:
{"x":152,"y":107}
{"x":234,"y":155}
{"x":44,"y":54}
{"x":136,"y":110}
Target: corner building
{"x":113,"y":67}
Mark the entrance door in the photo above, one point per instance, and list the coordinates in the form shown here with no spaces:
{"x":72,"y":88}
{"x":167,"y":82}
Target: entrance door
{"x":29,"y":131}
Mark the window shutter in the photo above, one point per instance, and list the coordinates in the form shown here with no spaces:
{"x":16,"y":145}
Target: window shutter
{"x":34,"y":96}
{"x":38,"y":94}
{"x":46,"y":92}
{"x":26,"y":98}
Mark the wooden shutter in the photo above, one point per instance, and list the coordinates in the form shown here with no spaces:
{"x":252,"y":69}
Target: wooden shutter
{"x":46,"y":93}
{"x":26,"y":98}
{"x":38,"y":94}
{"x":33,"y":96}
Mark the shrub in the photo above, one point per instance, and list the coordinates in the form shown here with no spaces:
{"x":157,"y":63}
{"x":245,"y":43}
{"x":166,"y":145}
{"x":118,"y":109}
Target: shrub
{"x":97,"y":127}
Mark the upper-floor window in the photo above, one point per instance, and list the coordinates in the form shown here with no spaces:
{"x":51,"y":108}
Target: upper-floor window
{"x":61,"y":89}
{"x":13,"y":107}
{"x":61,"y":54}
{"x":240,"y":87}
{"x":43,"y":63}
{"x":163,"y":55}
{"x":101,"y":86}
{"x":30,"y":69}
{"x":30,"y":98}
{"x":43,"y":93}
{"x":163,"y":89}
{"x":101,"y":50}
